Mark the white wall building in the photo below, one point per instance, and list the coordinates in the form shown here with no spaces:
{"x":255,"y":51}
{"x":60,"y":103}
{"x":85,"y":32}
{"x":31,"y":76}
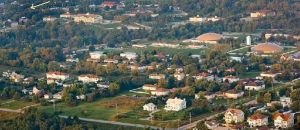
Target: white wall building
{"x":283,"y":120}
{"x":150,"y":87}
{"x":149,"y":107}
{"x":97,"y":55}
{"x":89,"y":78}
{"x":175,"y":104}
{"x":160,"y":92}
{"x":57,"y":75}
{"x":179,"y":76}
{"x":257,"y":120}
{"x":129,"y":55}
{"x":234,"y":116}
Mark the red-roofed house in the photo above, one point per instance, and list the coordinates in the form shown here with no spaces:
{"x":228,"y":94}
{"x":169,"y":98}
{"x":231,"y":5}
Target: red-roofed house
{"x":283,"y":120}
{"x":233,"y":116}
{"x":56,"y":75}
{"x":160,"y":92}
{"x":257,"y":119}
{"x":109,"y":4}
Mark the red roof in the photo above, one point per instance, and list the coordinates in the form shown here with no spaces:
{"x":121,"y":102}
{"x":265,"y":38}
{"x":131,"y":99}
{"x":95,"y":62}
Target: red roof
{"x":89,"y":76}
{"x":108,"y":4}
{"x":57,"y":73}
{"x":285,"y":117}
{"x":257,"y":116}
{"x":162,"y":90}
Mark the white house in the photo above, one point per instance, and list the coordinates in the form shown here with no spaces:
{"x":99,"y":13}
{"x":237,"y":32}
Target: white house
{"x":157,"y":76}
{"x":89,"y":78}
{"x":149,"y":87}
{"x":255,"y":85}
{"x":111,"y":61}
{"x":269,"y":74}
{"x":129,"y":55}
{"x":204,"y":75}
{"x":234,"y":94}
{"x":160,"y":92}
{"x":57,"y":96}
{"x":48,"y":96}
{"x":283,"y":120}
{"x":175,"y":104}
{"x":149,"y":107}
{"x":234,"y":116}
{"x":231,"y":79}
{"x":257,"y":120}
{"x":97,"y":55}
{"x":16,"y":77}
{"x":36,"y":91}
{"x":179,"y":76}
{"x":285,"y":101}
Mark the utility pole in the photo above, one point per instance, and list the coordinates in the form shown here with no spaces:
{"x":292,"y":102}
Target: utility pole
{"x":190,"y":117}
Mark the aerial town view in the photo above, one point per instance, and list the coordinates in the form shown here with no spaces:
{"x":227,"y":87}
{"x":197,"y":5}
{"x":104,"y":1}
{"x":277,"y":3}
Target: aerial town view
{"x":149,"y":64}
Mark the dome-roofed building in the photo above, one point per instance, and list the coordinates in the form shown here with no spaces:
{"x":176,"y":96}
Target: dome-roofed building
{"x":209,"y":38}
{"x":266,"y":48}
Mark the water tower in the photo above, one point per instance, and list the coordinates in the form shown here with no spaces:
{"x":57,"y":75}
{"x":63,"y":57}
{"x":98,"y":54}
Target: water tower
{"x":248,"y":40}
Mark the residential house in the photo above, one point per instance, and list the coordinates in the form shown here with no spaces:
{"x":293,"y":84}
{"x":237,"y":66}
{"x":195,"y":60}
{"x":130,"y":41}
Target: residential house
{"x":270,"y":74}
{"x":262,"y":13}
{"x":16,"y":77}
{"x":157,"y":76}
{"x":283,"y":120}
{"x":111,"y":61}
{"x":230,"y":79}
{"x":233,"y":93}
{"x":175,"y":104}
{"x":257,"y":120}
{"x":89,"y":78}
{"x":48,"y":96}
{"x":57,"y":96}
{"x":97,"y":55}
{"x":179,"y":76}
{"x":160,"y":92}
{"x":109,"y":4}
{"x":149,"y":107}
{"x":56,"y":75}
{"x":88,"y":18}
{"x":234,"y":116}
{"x":285,"y":101}
{"x":204,"y":75}
{"x":149,"y":87}
{"x":254,"y":85}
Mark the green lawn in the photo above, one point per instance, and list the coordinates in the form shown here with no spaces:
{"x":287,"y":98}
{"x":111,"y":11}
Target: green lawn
{"x":249,"y":75}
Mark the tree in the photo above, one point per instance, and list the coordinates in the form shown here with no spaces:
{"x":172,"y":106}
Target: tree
{"x":267,"y":97}
{"x":162,"y":83}
{"x":201,"y":126}
{"x":113,"y":88}
{"x":171,"y":82}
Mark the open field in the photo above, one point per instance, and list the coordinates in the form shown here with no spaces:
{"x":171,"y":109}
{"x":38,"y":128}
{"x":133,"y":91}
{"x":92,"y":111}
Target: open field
{"x":7,"y":115}
{"x":106,"y":109}
{"x":249,"y":75}
{"x":14,"y":104}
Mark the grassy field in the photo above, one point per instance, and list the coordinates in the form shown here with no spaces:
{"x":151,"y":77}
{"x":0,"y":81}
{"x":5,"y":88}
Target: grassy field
{"x":106,"y":109}
{"x":14,"y":104}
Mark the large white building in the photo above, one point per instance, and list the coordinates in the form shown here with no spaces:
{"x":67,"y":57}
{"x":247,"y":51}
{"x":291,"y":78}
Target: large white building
{"x":97,"y":55}
{"x":88,"y":78}
{"x":175,"y":104}
{"x":234,"y":116}
{"x":283,"y":120}
{"x":56,"y":75}
{"x":150,"y":87}
{"x":257,"y":120}
{"x":129,"y":55}
{"x":88,"y":18}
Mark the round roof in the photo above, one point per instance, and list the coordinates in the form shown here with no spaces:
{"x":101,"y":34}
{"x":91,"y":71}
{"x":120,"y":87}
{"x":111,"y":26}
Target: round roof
{"x":209,"y":37}
{"x":267,"y":48}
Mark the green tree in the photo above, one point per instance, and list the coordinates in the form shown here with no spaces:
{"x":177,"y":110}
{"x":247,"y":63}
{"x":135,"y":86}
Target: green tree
{"x":267,"y":97}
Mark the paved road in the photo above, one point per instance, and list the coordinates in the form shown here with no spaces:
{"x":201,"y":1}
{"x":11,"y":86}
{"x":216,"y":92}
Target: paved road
{"x":112,"y":122}
{"x":10,"y":110}
{"x":189,"y":126}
